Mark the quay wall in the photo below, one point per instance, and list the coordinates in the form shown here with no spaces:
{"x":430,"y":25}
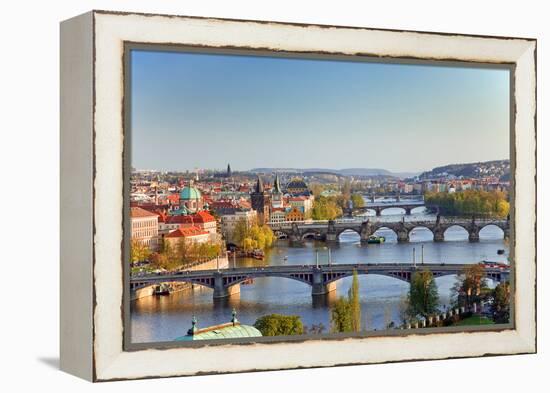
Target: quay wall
{"x":212,"y":264}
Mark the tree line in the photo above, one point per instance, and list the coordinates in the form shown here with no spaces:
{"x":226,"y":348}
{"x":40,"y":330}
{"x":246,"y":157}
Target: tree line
{"x":184,"y":253}
{"x":469,"y":202}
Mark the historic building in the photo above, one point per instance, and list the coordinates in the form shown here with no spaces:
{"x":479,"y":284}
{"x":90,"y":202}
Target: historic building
{"x":277,"y":216}
{"x":302,"y":203}
{"x":277,"y":194}
{"x":144,"y":227}
{"x":261,"y":201}
{"x":229,"y":222}
{"x":295,"y":214}
{"x":297,"y":187}
{"x":192,"y":234}
{"x":191,"y":200}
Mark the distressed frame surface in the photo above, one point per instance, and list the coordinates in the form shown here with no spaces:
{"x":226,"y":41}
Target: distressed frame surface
{"x":92,"y":75}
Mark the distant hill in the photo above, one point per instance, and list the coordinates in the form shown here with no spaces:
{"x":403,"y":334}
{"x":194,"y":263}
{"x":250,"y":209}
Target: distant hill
{"x":497,"y":168}
{"x":365,"y":172}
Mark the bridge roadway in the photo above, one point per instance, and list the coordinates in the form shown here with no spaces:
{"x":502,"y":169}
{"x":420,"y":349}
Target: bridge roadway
{"x":331,"y":230}
{"x":321,"y":278}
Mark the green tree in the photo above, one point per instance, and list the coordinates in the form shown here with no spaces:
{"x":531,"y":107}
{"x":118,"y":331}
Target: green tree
{"x":341,"y":316}
{"x":326,"y":208}
{"x":423,"y":298}
{"x":470,"y":202}
{"x":355,"y":304}
{"x":279,"y":325}
{"x":346,"y":313}
{"x":357,"y":201}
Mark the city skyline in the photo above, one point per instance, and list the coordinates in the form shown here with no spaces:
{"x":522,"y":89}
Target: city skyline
{"x":296,"y":113}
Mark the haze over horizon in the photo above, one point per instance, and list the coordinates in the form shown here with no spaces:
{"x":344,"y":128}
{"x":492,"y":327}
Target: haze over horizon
{"x":204,"y":111}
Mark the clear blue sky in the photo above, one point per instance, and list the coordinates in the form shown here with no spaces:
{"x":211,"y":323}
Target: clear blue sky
{"x":204,"y":111}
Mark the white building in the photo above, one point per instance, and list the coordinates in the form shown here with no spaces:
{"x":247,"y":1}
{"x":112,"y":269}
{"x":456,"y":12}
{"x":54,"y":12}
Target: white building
{"x":229,"y":221}
{"x":144,"y":227}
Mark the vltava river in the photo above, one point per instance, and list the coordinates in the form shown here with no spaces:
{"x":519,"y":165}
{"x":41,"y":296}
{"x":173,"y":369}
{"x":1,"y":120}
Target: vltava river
{"x":167,"y":317}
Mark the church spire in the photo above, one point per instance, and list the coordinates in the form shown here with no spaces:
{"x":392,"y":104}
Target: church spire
{"x":277,"y":184}
{"x":259,"y":185}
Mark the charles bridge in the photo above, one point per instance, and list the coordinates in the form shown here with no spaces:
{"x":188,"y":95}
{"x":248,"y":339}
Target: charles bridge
{"x":321,"y":278}
{"x":330,"y":230}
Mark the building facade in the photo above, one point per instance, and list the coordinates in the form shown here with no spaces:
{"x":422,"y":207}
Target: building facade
{"x":144,"y":227}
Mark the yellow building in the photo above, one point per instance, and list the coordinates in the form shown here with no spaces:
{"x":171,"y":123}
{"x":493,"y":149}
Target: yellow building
{"x":295,"y":214}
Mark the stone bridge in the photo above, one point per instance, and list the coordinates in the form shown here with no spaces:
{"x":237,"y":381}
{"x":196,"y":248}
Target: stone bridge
{"x":321,"y":278}
{"x":331,"y":230}
{"x":378,"y":207}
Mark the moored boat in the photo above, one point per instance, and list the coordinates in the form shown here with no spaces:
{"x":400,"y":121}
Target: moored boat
{"x":376,"y":239}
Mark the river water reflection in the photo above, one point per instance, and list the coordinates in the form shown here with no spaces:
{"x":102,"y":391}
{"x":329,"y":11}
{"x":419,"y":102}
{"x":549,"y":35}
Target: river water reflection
{"x":165,"y":318}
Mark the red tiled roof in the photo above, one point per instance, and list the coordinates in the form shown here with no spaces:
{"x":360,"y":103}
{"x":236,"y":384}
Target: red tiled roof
{"x":187,"y":232}
{"x":138,"y":212}
{"x":198,"y":218}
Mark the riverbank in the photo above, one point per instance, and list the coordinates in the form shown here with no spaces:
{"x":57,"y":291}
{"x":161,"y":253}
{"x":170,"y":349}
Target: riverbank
{"x":216,"y":263}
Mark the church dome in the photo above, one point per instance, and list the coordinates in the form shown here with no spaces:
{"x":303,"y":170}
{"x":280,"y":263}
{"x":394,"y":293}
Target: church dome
{"x":189,"y":193}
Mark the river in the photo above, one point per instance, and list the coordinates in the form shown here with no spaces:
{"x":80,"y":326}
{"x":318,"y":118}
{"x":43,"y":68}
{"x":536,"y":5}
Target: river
{"x":164,"y":318}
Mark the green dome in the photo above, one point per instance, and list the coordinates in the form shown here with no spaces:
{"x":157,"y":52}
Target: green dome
{"x":189,"y":193}
{"x":222,"y":331}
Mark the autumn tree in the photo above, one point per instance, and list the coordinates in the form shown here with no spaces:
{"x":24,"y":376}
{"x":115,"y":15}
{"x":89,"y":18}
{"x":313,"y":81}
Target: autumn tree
{"x":500,"y":306}
{"x":139,"y":251}
{"x":469,"y":286}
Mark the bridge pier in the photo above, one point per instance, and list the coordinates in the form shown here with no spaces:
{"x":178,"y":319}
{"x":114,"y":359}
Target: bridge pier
{"x":222,"y":291}
{"x":319,"y":287}
{"x":473,"y":235}
{"x":408,"y":211}
{"x":439,"y":235}
{"x":378,"y":211}
{"x":402,"y":236}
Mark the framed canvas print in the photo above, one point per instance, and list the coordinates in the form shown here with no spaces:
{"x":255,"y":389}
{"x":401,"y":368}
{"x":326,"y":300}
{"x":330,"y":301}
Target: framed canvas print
{"x":246,"y":195}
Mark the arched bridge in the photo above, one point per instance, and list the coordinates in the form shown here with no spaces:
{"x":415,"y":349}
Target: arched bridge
{"x":331,"y":230}
{"x":378,"y":207}
{"x":321,"y":278}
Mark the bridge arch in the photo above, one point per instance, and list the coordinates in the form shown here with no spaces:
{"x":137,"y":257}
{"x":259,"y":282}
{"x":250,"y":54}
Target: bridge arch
{"x":456,"y":232}
{"x":305,"y":278}
{"x":491,"y":231}
{"x":281,"y":235}
{"x":415,"y":234}
{"x":349,"y":230}
{"x":310,"y":235}
{"x":418,"y":209}
{"x":385,"y":231}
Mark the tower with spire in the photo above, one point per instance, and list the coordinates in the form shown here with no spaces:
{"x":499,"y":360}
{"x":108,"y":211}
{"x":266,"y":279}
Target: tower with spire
{"x":261,"y":201}
{"x":277,"y":194}
{"x":228,"y":170}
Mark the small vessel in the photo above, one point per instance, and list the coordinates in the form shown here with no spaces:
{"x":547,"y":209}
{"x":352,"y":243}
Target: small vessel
{"x":500,"y":252}
{"x":376,"y":239}
{"x":258,"y":254}
{"x":162,"y":289}
{"x":285,"y":258}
